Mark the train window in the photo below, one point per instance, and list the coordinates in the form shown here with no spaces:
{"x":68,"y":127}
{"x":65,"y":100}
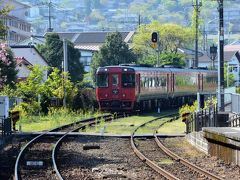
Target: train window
{"x":102,"y":80}
{"x":153,"y":82}
{"x":157,"y":82}
{"x":150,"y":82}
{"x":115,"y":79}
{"x":145,"y":82}
{"x":163,"y":82}
{"x":142,"y":81}
{"x":128,"y":80}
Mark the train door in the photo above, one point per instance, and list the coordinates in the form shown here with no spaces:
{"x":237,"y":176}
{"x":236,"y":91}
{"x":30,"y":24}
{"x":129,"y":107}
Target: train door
{"x":168,"y":83}
{"x":173,"y":82}
{"x":138,"y":84}
{"x":200,"y":82}
{"x":115,"y":85}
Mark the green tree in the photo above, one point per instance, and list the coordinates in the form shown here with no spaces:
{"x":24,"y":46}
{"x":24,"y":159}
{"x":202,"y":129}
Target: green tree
{"x":31,"y":90}
{"x":33,"y":85}
{"x":114,"y":51}
{"x":3,"y":29}
{"x":172,"y":59}
{"x":228,"y":77}
{"x":55,"y":84}
{"x":171,"y":38}
{"x":8,"y":72}
{"x":52,"y":50}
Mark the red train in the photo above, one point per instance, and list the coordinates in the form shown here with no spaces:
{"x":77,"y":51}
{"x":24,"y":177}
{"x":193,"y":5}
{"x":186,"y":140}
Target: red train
{"x":132,"y":87}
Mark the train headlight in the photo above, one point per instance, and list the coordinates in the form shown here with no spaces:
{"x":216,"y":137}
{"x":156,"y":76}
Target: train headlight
{"x":124,"y":95}
{"x":106,"y":95}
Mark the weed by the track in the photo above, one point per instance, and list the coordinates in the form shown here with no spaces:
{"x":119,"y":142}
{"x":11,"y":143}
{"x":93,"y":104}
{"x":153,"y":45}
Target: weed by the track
{"x":54,"y":119}
{"x":174,"y":127}
{"x":126,"y":125}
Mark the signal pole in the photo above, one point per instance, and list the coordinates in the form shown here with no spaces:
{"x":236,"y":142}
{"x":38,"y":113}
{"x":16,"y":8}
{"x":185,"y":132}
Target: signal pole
{"x":220,"y":58}
{"x":50,"y":29}
{"x":65,"y":69}
{"x":196,"y":5}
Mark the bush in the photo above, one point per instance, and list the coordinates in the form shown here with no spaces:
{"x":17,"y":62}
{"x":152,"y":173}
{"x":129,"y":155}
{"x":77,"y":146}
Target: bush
{"x":85,"y":99}
{"x":188,"y":108}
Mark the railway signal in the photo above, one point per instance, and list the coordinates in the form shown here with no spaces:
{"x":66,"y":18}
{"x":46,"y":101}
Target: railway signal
{"x":154,"y":37}
{"x":155,"y":44}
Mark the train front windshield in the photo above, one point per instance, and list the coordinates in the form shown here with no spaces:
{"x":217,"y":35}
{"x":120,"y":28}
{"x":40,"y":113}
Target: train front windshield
{"x":102,"y":80}
{"x":128,"y":80}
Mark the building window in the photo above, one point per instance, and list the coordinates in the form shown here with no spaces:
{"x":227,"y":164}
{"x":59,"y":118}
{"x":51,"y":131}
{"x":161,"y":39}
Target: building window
{"x":86,"y":60}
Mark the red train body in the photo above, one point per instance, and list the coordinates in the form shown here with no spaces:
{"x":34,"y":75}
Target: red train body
{"x":127,"y":88}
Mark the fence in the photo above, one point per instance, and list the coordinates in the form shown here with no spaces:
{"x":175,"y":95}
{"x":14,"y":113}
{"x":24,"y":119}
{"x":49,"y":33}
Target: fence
{"x":235,"y":106}
{"x":5,"y":126}
{"x":203,"y":118}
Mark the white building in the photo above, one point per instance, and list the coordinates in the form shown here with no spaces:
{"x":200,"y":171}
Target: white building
{"x":31,"y":56}
{"x":18,"y":28}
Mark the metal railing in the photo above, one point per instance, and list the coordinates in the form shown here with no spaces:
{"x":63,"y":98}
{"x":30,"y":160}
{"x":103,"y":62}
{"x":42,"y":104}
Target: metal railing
{"x":209,"y":117}
{"x":5,"y":126}
{"x":204,"y":118}
{"x":234,"y":120}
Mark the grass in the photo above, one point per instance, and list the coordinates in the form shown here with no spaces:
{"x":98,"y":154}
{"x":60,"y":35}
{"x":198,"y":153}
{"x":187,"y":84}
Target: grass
{"x":166,"y":162}
{"x":127,"y":125}
{"x":174,"y":127}
{"x":54,"y":119}
{"x":122,"y":126}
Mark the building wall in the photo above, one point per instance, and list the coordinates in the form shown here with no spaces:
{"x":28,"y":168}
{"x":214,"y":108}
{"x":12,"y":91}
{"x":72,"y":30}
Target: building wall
{"x":18,"y":28}
{"x":86,"y":58}
{"x":233,"y":68}
{"x":23,"y":71}
{"x":32,"y":56}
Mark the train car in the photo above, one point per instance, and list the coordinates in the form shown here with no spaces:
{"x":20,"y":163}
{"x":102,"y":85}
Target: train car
{"x":132,"y":87}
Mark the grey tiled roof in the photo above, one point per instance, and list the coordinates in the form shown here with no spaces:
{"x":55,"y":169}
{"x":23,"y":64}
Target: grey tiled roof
{"x":95,"y":37}
{"x":68,"y":36}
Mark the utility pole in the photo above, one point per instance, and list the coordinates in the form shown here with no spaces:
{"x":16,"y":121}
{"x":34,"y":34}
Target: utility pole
{"x":139,"y":20}
{"x":65,"y":69}
{"x":196,"y":5}
{"x":50,"y":29}
{"x":220,"y":58}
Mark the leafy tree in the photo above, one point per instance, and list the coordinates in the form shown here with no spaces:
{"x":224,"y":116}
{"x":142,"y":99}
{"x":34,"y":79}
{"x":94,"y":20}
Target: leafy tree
{"x":55,"y":84}
{"x":52,"y":50}
{"x":33,"y":85}
{"x":3,"y":29}
{"x":8,"y":73}
{"x":172,"y":59}
{"x":115,"y":51}
{"x":31,"y":89}
{"x":171,"y":38}
{"x":75,"y":68}
{"x":228,"y":77}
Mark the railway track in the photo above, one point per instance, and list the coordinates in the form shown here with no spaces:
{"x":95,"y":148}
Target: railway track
{"x":178,"y":168}
{"x":37,"y":158}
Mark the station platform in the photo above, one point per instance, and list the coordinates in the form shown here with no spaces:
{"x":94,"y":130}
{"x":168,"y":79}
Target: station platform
{"x":223,"y":142}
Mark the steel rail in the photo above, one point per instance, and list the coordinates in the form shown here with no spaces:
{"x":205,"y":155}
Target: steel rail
{"x":185,"y":162}
{"x":58,"y":143}
{"x":150,"y":163}
{"x":23,"y":150}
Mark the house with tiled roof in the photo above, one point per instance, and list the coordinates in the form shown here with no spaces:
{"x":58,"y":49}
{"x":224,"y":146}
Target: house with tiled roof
{"x":233,"y":51}
{"x":22,"y":66}
{"x":90,"y":42}
{"x":231,"y":58}
{"x":28,"y":56}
